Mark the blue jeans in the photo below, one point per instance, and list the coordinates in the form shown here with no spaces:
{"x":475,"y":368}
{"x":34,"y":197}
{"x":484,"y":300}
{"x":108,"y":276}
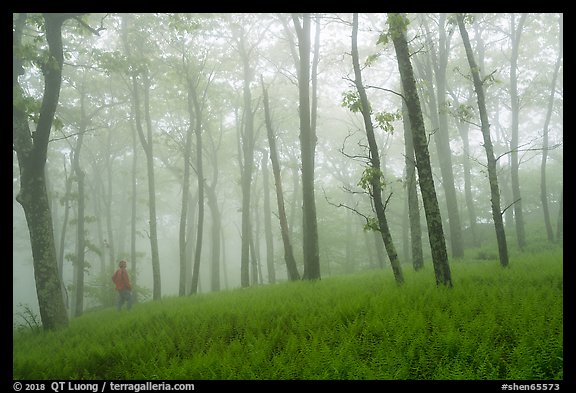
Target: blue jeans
{"x":124,"y":297}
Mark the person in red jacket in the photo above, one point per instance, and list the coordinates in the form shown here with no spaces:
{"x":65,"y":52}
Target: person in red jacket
{"x":123,"y":286}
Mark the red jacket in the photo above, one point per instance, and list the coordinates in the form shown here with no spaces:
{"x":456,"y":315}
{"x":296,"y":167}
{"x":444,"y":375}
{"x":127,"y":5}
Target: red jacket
{"x":121,"y":279}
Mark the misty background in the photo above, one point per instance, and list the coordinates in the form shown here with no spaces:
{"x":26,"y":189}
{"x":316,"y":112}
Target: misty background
{"x":197,"y":67}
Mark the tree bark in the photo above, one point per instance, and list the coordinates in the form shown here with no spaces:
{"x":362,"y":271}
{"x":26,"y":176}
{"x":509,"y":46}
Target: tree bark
{"x":216,"y":228}
{"x":543,"y":187}
{"x":78,"y":306}
{"x":420,"y":140}
{"x":560,"y":222}
{"x":291,"y":267}
{"x":442,"y":140}
{"x":307,"y":147}
{"x":31,"y":150}
{"x":247,"y":144}
{"x":200,"y":174}
{"x":411,"y":189}
{"x":182,"y":240}
{"x":148,"y":150}
{"x":515,"y":109}
{"x":268,"y":220}
{"x":375,"y":172}
{"x":148,"y":147}
{"x":491,"y":161}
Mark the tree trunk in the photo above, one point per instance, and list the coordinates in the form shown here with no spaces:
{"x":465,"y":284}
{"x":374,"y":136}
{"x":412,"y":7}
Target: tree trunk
{"x":543,"y":188}
{"x":560,"y":223}
{"x":212,"y":201}
{"x":491,"y":161}
{"x":62,"y":247}
{"x":420,"y":140}
{"x":247,"y":144}
{"x":463,"y":129}
{"x":411,"y":189}
{"x":515,"y":109}
{"x":291,"y":267}
{"x":374,"y":171}
{"x":111,"y":245}
{"x":31,"y":152}
{"x":133,"y":213}
{"x":78,"y":305}
{"x":268,"y":220}
{"x":307,"y":147}
{"x":200,"y":174}
{"x":216,"y":229}
{"x":147,"y":146}
{"x":442,"y":140}
{"x":182,"y":240}
{"x":148,"y":150}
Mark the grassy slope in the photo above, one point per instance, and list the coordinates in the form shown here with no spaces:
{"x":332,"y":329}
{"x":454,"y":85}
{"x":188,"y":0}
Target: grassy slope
{"x":494,"y":324}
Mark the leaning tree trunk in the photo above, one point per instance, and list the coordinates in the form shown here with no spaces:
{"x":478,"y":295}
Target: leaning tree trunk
{"x":374,"y":171}
{"x":397,"y":25}
{"x":491,"y":160}
{"x":291,"y":267}
{"x":31,"y":154}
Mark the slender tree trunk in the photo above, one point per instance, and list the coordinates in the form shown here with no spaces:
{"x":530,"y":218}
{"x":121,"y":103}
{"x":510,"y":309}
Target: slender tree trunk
{"x":148,"y":147}
{"x":420,"y":140}
{"x":560,"y":223}
{"x":96,"y":190}
{"x":492,"y":176}
{"x":133,"y":212}
{"x":515,"y":109}
{"x":212,"y":201}
{"x":291,"y":267}
{"x":78,"y":306}
{"x":247,"y":144}
{"x":463,"y":129}
{"x":111,"y":244}
{"x":268,"y":220}
{"x":307,"y":148}
{"x":441,"y":137}
{"x":374,"y":171}
{"x":191,"y":234}
{"x":216,"y":229}
{"x":62,"y":247}
{"x":148,"y":150}
{"x":543,"y":188}
{"x":200,"y":174}
{"x":411,"y":189}
{"x":296,"y":194}
{"x":185,"y":196}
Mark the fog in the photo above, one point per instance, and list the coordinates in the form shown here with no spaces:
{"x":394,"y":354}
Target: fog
{"x":210,"y":54}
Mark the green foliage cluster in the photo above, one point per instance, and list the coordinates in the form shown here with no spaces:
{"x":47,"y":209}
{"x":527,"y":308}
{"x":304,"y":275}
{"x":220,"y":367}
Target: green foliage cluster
{"x":494,"y":324}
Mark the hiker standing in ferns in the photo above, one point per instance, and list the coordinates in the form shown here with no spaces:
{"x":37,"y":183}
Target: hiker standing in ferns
{"x":123,"y":286}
